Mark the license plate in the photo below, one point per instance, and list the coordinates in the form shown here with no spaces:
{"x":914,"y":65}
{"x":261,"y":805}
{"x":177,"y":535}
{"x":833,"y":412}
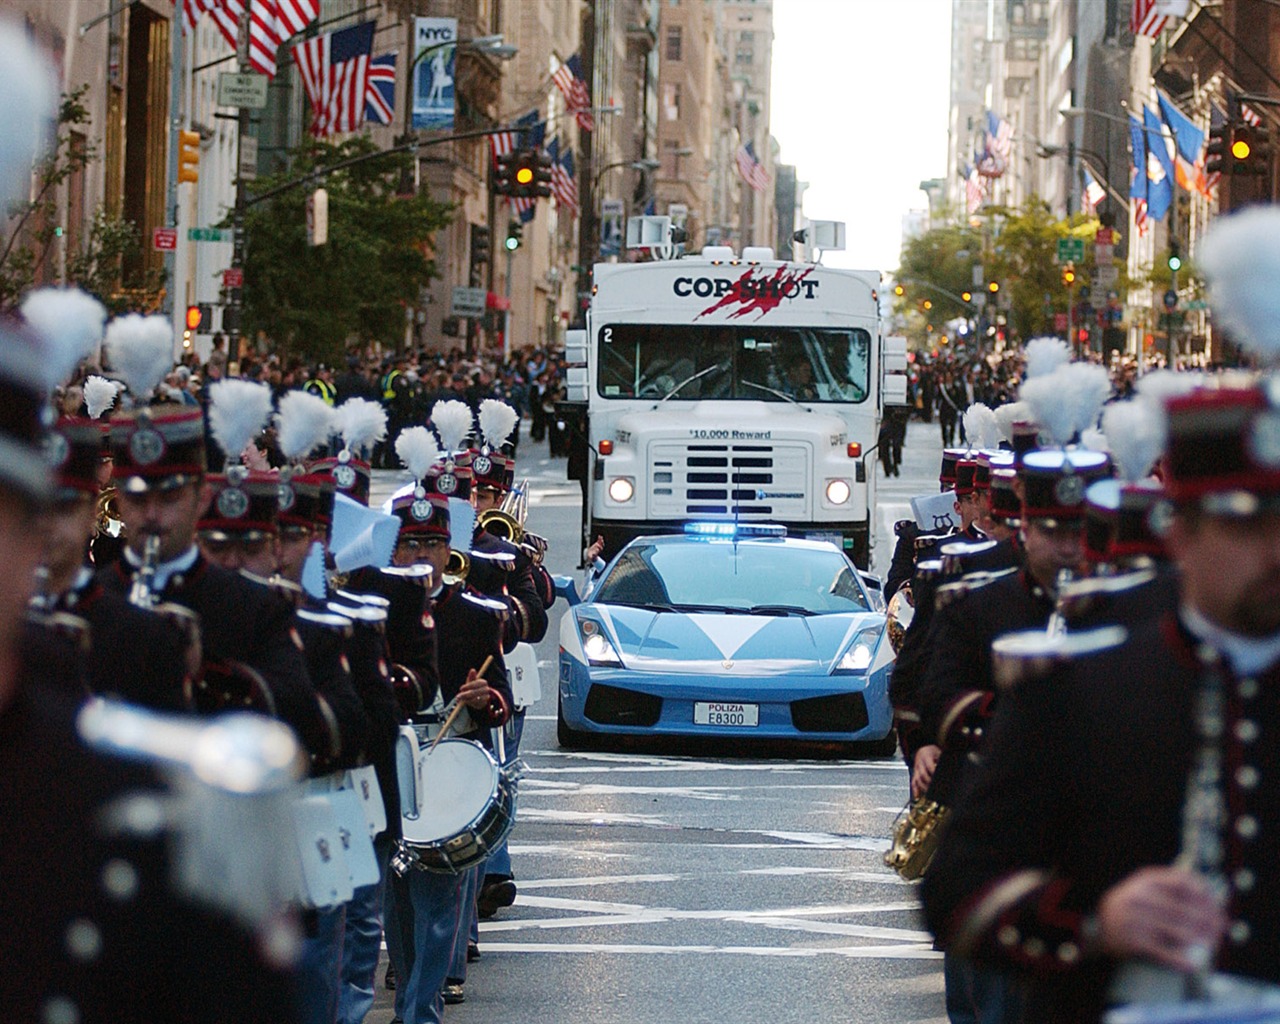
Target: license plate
{"x":831,"y":538}
{"x":710,"y":713}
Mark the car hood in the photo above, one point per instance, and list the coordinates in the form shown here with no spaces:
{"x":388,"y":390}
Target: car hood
{"x":713,"y":643}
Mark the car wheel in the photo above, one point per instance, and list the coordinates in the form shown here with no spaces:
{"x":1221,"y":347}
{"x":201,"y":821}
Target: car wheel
{"x":568,"y":737}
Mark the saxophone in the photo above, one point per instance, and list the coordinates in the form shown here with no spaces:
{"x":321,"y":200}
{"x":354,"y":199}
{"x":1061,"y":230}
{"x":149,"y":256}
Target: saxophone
{"x":915,"y":838}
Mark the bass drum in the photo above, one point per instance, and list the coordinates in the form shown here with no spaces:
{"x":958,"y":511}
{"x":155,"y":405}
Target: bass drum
{"x":463,"y":807}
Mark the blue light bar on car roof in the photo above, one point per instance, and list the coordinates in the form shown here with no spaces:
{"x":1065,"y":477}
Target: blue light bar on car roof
{"x":739,"y":530}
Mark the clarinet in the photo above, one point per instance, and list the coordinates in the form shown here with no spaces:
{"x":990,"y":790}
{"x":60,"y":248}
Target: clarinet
{"x":142,"y":593}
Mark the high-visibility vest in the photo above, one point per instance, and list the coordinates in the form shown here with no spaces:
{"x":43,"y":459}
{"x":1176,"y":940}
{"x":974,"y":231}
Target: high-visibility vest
{"x":388,"y":382}
{"x":322,"y":388}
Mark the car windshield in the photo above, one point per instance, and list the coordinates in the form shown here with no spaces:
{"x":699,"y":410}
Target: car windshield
{"x":723,"y":576}
{"x":763,"y":364}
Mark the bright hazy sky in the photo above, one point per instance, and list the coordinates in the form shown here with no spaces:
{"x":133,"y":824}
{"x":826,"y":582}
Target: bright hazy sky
{"x":861,"y":90}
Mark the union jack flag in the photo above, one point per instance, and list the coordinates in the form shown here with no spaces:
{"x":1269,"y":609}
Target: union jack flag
{"x":749,"y":167}
{"x":380,"y":90}
{"x":335,"y":75}
{"x":564,"y":187}
{"x":271,"y":22}
{"x":569,"y":80}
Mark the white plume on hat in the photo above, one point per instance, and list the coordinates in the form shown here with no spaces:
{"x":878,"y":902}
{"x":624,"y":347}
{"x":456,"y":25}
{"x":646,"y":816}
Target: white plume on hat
{"x":100,"y":395}
{"x":1095,"y":440}
{"x":140,"y":351}
{"x":1159,"y":386}
{"x":980,"y":427}
{"x":361,"y":423}
{"x":497,"y":420}
{"x":28,"y":103}
{"x":1044,"y":355}
{"x":1085,"y":387}
{"x":1136,"y":433}
{"x":303,"y":421}
{"x":1240,"y":256}
{"x":71,"y":323}
{"x":452,"y":420}
{"x":238,"y":410}
{"x":1009,"y":414}
{"x":418,"y":450}
{"x":1054,"y":416}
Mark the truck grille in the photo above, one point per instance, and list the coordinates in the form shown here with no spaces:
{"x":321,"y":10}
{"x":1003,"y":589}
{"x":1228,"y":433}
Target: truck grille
{"x":751,"y":480}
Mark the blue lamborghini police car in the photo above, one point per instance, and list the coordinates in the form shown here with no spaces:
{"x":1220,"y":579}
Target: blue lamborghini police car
{"x":726,"y":631}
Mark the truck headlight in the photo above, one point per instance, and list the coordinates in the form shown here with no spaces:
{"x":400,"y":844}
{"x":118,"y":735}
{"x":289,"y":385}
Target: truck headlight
{"x":622,"y":489}
{"x":838,"y":491}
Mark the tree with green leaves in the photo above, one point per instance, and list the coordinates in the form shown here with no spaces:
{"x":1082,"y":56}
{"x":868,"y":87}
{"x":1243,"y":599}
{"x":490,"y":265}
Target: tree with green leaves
{"x":312,"y":301}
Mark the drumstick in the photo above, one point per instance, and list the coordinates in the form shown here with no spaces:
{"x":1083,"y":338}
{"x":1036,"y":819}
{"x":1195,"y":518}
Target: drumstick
{"x":457,"y":709}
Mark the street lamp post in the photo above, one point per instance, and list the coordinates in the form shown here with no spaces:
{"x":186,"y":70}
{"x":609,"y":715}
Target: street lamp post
{"x":644,"y":166}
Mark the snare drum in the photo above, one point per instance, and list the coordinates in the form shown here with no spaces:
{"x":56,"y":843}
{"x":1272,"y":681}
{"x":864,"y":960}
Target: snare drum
{"x":462,"y":807}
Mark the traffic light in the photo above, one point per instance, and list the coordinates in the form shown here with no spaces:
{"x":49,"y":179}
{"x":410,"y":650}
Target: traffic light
{"x":504,"y":178}
{"x":541,"y":174}
{"x":967,"y":296}
{"x":479,"y":244}
{"x":899,"y":291}
{"x":515,"y":232}
{"x":927,"y":304}
{"x":195,"y":315}
{"x":1175,"y":255}
{"x":1216,"y":150}
{"x":1250,"y":150}
{"x":188,"y":156}
{"x":993,"y":287}
{"x":1069,"y":275}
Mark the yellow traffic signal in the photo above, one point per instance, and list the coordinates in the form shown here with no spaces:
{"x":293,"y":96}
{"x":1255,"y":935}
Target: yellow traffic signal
{"x":899,"y":290}
{"x":524,"y":175}
{"x":1069,"y":275}
{"x":928,"y":304}
{"x":1240,"y":149}
{"x":188,"y":156}
{"x":993,"y":287}
{"x":967,"y":296}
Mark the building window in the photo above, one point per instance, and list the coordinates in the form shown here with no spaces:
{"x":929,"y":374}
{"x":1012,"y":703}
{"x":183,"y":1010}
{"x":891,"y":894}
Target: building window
{"x":746,"y":51}
{"x":671,"y":101}
{"x":674,"y":42}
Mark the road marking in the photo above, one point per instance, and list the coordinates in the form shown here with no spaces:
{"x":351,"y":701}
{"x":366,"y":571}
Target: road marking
{"x":914,"y":951}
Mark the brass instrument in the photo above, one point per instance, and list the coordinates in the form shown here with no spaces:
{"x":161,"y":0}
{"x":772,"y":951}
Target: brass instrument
{"x":107,"y":521}
{"x":915,"y":838}
{"x":457,"y":567}
{"x":898,"y":616}
{"x":142,"y":593}
{"x":507,"y":522}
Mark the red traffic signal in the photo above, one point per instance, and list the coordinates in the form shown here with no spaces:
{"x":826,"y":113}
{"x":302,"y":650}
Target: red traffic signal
{"x":195,"y":315}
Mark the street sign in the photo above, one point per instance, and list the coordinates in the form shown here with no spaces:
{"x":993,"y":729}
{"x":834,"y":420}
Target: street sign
{"x":468,"y":302}
{"x":165,"y":239}
{"x":1106,"y":275}
{"x":233,"y":277}
{"x":248,"y":158}
{"x":1070,"y":250}
{"x":1059,"y":322}
{"x":1171,"y":300}
{"x":1105,"y":236}
{"x":237,"y":90}
{"x":208,"y":234}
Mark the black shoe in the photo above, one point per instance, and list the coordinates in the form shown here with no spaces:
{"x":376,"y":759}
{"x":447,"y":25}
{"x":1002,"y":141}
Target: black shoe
{"x":501,"y":892}
{"x":389,"y":979}
{"x":473,"y":952}
{"x":453,"y":994}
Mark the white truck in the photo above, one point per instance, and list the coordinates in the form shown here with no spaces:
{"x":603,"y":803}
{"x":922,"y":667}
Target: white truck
{"x":719,"y":387}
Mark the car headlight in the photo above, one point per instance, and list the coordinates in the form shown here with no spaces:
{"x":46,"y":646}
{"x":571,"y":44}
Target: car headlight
{"x":838,"y":491}
{"x":622,"y":489}
{"x":861,"y":652}
{"x":596,"y":646}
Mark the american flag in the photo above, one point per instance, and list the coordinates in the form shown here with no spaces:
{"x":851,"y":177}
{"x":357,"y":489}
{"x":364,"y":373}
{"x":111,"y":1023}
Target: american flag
{"x":380,"y":91}
{"x":563,"y":184}
{"x":1093,"y":192}
{"x":1249,"y":116}
{"x":974,"y":189}
{"x":568,"y":78}
{"x":335,"y":75}
{"x":999,"y":135}
{"x":1151,"y":17}
{"x":502,"y":143}
{"x":271,"y":22}
{"x":749,"y":167}
{"x":1140,"y":215}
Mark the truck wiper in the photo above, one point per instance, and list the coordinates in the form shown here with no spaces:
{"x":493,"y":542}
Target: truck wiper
{"x":779,"y":609}
{"x":772,"y":391}
{"x":690,"y":380}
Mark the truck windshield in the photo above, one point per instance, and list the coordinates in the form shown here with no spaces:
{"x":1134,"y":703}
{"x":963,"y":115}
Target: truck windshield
{"x":761,"y":364}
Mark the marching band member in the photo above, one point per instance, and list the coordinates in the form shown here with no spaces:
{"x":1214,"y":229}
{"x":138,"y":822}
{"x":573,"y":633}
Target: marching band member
{"x":427,"y":913}
{"x":85,"y":904}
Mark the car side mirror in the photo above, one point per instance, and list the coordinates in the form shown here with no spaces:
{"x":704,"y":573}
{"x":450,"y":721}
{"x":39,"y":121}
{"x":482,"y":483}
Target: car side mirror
{"x":567,"y":588}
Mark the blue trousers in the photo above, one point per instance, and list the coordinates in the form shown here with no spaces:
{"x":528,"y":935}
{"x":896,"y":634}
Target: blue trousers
{"x":424,"y":916}
{"x":499,"y":862}
{"x":469,"y":925}
{"x":362,"y":943}
{"x":320,"y":966}
{"x":980,"y":995}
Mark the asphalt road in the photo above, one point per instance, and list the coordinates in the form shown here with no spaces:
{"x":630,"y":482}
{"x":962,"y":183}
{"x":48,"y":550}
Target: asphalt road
{"x":707,"y":890}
